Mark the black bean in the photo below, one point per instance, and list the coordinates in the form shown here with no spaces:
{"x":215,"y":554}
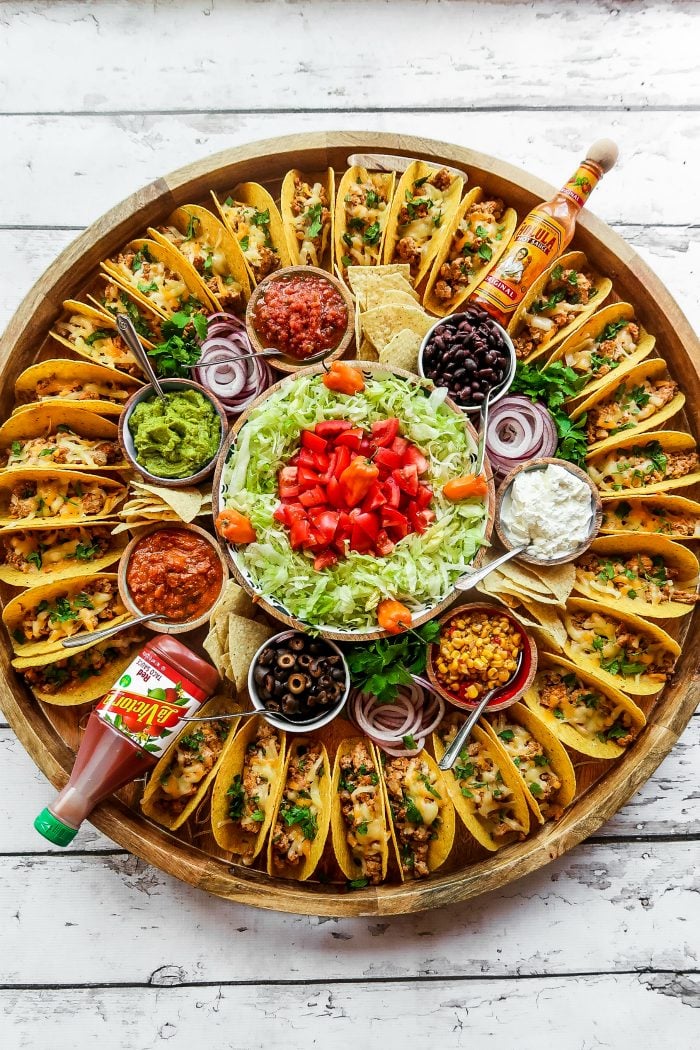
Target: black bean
{"x":478,"y":396}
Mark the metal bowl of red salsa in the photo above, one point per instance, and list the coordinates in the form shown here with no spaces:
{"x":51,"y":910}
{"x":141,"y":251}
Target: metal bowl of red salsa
{"x":176,"y":570}
{"x":302,"y":311}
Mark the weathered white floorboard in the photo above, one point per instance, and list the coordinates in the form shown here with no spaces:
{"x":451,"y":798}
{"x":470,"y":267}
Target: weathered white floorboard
{"x":571,"y":1013}
{"x":602,"y":907}
{"x":360,"y":53}
{"x":103,"y":158}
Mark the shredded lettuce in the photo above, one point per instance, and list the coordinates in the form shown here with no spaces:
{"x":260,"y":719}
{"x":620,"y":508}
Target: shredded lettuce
{"x":421,"y":569}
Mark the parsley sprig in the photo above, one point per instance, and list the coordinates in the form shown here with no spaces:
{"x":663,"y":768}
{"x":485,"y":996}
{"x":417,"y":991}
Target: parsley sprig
{"x":182,"y":334}
{"x":380,"y":668}
{"x":552,"y":386}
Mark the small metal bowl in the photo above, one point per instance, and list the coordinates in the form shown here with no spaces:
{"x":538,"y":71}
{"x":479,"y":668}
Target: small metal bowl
{"x":503,"y":499}
{"x":127,"y":442}
{"x":501,"y":389}
{"x":511,"y":692}
{"x":288,"y":363}
{"x":275,"y":718}
{"x":168,"y":626}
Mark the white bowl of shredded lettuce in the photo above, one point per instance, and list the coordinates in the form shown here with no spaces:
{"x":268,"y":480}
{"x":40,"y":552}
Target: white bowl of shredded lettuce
{"x":421,"y":569}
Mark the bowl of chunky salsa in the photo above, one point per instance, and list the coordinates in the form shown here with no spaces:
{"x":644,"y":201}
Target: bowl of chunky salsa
{"x":302,"y":311}
{"x":176,"y":570}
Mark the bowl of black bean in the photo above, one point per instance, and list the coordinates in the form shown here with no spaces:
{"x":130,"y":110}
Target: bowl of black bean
{"x":298,"y":682}
{"x":468,"y":353}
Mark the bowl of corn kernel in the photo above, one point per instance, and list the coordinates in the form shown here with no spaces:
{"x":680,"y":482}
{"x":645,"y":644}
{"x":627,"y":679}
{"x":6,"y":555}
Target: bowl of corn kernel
{"x":478,"y":649}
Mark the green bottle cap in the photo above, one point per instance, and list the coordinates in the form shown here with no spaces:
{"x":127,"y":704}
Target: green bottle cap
{"x":53,"y":829}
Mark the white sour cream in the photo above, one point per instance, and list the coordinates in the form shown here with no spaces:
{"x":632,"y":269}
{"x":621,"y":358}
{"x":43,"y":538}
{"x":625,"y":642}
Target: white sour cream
{"x":549,"y":510}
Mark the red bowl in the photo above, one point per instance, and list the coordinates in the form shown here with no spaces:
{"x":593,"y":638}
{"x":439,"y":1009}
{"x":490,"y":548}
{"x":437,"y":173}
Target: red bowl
{"x":510,"y":693}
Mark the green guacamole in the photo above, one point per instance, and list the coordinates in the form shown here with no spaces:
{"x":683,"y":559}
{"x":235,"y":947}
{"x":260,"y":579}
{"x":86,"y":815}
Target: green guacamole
{"x":178,"y":438}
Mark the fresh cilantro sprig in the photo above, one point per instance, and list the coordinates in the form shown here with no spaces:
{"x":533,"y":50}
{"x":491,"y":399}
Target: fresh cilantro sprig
{"x":380,"y":668}
{"x":552,"y":386}
{"x":182,"y":335}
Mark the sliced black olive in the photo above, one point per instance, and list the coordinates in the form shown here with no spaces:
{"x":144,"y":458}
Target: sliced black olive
{"x":259,"y":674}
{"x":338,"y":673}
{"x":266,"y":657}
{"x":322,"y":697}
{"x":268,"y":683}
{"x":304,"y":660}
{"x":278,"y":688}
{"x":297,"y":643}
{"x":297,"y":683}
{"x":286,"y":660}
{"x":316,"y":668}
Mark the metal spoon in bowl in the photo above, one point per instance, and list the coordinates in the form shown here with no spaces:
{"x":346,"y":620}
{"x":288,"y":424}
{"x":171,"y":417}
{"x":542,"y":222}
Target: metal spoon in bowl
{"x":268,"y":352}
{"x":452,"y":753}
{"x":77,"y":640}
{"x":474,"y":576}
{"x":249,"y":714}
{"x":130,"y":337}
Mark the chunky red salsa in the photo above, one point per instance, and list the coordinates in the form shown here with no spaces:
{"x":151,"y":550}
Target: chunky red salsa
{"x":302,"y":315}
{"x":175,"y":572}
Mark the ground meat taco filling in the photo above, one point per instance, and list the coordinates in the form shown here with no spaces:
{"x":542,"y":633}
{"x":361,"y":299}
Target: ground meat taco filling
{"x":586,"y":709}
{"x":415,"y":811}
{"x":103,"y":344}
{"x":532,"y":762}
{"x":360,"y":807}
{"x":51,"y":498}
{"x":643,"y":576}
{"x":619,"y":649}
{"x":565,"y":295}
{"x":598,"y":356}
{"x":155,"y":280}
{"x":641,"y":466}
{"x":365,"y":208}
{"x":647,"y":517}
{"x":310,"y":209}
{"x":471,"y":247}
{"x":35,"y":551}
{"x":420,"y":217}
{"x":629,"y":405}
{"x":296,"y":826}
{"x":69,"y":674}
{"x":96,"y":603}
{"x":208,"y":260}
{"x":61,"y":448}
{"x":195,"y":755}
{"x":251,"y":227}
{"x":250,"y":792}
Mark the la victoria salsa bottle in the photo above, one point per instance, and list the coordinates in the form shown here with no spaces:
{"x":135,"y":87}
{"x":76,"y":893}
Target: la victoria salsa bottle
{"x":541,"y":237}
{"x":128,"y":731}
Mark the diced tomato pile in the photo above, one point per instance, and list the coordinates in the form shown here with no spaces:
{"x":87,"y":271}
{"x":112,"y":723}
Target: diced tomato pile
{"x":320,"y":502}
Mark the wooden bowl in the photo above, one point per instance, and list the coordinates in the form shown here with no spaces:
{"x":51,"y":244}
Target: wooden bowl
{"x":274,"y":608}
{"x":596,"y":511}
{"x":127,"y":443}
{"x":512,"y":692}
{"x":167,"y":626}
{"x":285,"y":364}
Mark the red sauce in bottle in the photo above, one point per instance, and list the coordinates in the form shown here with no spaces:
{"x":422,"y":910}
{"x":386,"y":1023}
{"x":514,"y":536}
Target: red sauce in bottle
{"x":129,"y":730}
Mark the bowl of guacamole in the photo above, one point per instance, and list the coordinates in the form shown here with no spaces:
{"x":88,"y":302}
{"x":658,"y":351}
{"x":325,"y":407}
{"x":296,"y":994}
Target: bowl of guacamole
{"x":176,"y":442}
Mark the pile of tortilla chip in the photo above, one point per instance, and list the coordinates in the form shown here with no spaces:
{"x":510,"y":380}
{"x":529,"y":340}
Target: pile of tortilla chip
{"x":153,"y":503}
{"x":536,"y":594}
{"x":237,"y":630}
{"x":389,"y":321}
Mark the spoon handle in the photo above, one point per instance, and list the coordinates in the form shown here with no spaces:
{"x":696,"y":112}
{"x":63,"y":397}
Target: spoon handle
{"x":236,"y":357}
{"x":130,"y":337}
{"x":483,"y":424}
{"x":470,"y":579}
{"x":107,"y":632}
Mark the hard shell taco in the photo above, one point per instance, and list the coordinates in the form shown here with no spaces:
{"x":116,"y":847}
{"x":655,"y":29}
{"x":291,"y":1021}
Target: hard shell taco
{"x":585,"y":713}
{"x":306,"y":205}
{"x":362,"y":209}
{"x":56,"y":497}
{"x":62,"y":437}
{"x":92,"y":334}
{"x":180,"y":780}
{"x":253,"y":219}
{"x":39,"y":619}
{"x":425,"y":202}
{"x":609,"y":342}
{"x":157,"y":275}
{"x":676,"y":517}
{"x":71,"y":384}
{"x":47,"y":554}
{"x":654,"y":462}
{"x":205,"y":243}
{"x":247,"y":788}
{"x":111,"y":299}
{"x":620,"y":648}
{"x":647,"y":575}
{"x":422,"y":818}
{"x":559,"y":302}
{"x":85,"y":674}
{"x":641,"y":398}
{"x":358,"y":814}
{"x":475,"y":239}
{"x":302,"y":816}
{"x":485,"y":786}
{"x":549,"y":780}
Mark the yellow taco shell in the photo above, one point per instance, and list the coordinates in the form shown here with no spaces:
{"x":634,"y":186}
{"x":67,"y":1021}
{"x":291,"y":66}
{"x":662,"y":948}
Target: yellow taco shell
{"x":567,"y":732}
{"x":255,"y":196}
{"x":384,"y":183}
{"x":599,"y":462}
{"x":638,"y":685}
{"x":675,"y":517}
{"x":378,"y":830}
{"x":323,"y":802}
{"x":43,"y":419}
{"x":577,"y":261}
{"x":441,"y":845}
{"x":29,"y":539}
{"x":430,"y":300}
{"x":53,"y":484}
{"x":155,"y":799}
{"x":188,"y":284}
{"x":71,"y":380}
{"x":327,"y":180}
{"x":77,"y":329}
{"x":229,"y":835}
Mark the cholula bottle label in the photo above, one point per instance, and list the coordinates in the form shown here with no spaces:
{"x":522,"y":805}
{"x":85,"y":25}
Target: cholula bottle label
{"x":149,"y":701}
{"x":582,"y":183}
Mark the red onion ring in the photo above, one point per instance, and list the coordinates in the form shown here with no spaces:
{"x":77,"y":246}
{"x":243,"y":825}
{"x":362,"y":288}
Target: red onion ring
{"x":234,"y":382}
{"x":519,"y":430}
{"x":411,"y":714}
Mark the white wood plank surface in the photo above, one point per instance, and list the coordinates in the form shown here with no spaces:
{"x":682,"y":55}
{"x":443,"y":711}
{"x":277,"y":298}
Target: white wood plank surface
{"x":598,"y":949}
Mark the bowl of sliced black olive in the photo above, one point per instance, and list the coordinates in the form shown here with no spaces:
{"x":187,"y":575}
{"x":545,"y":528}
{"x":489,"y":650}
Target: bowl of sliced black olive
{"x":298,"y":682}
{"x":470,"y":354}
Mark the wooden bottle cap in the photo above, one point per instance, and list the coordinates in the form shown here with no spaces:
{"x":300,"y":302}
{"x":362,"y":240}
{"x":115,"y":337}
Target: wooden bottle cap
{"x":604,"y":153}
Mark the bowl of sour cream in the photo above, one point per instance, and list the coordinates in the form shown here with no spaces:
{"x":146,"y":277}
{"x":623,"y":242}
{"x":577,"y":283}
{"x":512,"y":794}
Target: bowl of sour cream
{"x":549,"y":506}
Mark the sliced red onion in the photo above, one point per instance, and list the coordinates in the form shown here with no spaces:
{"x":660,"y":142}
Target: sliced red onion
{"x":519,"y":430}
{"x":411,"y":714}
{"x":234,"y":382}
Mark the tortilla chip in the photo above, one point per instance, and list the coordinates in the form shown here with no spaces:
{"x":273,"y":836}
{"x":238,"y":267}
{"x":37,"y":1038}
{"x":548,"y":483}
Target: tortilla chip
{"x":384,"y":322}
{"x":545,"y":625}
{"x":402,"y":351}
{"x":233,"y":599}
{"x":366,"y":351}
{"x":186,"y":502}
{"x":244,"y":639}
{"x":360,"y":277}
{"x":491,"y":587}
{"x":378,"y":295}
{"x":558,"y":578}
{"x":213,"y":647}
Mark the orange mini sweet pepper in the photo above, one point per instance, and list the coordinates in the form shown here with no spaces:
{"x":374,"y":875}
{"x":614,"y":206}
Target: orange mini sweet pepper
{"x":471,"y":486}
{"x":344,"y":378}
{"x":357,"y":479}
{"x":393,"y":616}
{"x":235,"y":527}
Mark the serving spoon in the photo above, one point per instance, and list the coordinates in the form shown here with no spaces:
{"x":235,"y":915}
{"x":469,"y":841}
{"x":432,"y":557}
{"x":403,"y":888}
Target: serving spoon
{"x":131,"y":338}
{"x":268,"y":352}
{"x":452,"y":753}
{"x":473,"y":576}
{"x":249,"y":714}
{"x":76,"y":640}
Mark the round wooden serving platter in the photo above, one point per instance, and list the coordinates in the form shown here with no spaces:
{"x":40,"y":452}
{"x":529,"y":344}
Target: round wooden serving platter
{"x":50,"y":734}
